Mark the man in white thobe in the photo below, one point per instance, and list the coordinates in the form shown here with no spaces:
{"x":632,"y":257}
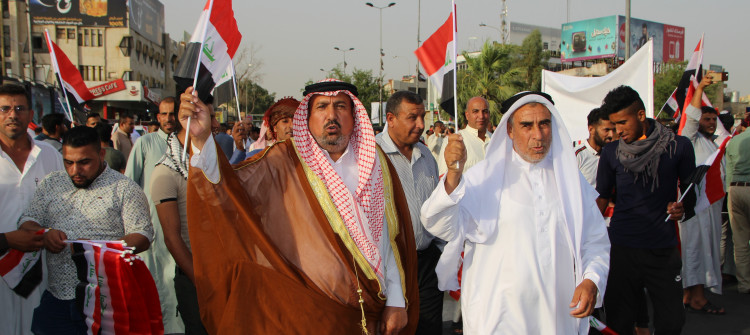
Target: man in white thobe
{"x":701,"y":235}
{"x":476,"y":136}
{"x":536,"y":262}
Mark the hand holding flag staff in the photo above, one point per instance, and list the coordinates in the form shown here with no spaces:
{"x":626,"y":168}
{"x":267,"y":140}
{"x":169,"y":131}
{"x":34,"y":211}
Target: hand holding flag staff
{"x":214,"y":42}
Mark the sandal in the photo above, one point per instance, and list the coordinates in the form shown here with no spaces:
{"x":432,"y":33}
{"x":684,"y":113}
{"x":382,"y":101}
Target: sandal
{"x":708,"y":308}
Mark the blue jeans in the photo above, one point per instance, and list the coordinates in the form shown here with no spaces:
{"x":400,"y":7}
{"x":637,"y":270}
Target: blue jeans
{"x":59,"y":317}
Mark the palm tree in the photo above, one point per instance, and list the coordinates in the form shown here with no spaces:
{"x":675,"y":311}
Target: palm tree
{"x":490,"y":75}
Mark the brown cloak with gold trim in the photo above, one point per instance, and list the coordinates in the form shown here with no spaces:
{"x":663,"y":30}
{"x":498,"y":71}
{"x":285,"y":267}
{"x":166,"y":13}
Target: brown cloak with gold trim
{"x":270,"y":257}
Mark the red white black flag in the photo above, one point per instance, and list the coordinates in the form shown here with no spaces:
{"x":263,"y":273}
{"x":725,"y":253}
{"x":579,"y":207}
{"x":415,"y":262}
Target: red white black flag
{"x":211,"y":48}
{"x":22,"y":271}
{"x":438,"y":58}
{"x":68,"y":76}
{"x":676,"y":102}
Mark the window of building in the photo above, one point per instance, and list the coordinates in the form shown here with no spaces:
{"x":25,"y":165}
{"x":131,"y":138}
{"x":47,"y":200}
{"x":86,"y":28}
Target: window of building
{"x":85,"y":37}
{"x":6,"y":9}
{"x":6,"y":41}
{"x":93,"y":37}
{"x":545,"y":46}
{"x":71,"y":34}
{"x":82,"y":70}
{"x":38,"y":45}
{"x":100,"y":40}
{"x":61,"y":33}
{"x":80,"y":38}
{"x":101,"y":73}
{"x":127,"y":75}
{"x":126,"y":44}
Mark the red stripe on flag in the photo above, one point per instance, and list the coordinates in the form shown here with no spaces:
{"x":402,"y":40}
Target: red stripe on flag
{"x":69,"y":73}
{"x":714,"y":183}
{"x":222,"y":18}
{"x":432,"y":52}
{"x":10,"y":260}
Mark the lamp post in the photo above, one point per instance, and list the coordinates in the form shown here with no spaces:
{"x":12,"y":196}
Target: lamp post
{"x":344,"y":51}
{"x":493,"y":27}
{"x":380,"y":77}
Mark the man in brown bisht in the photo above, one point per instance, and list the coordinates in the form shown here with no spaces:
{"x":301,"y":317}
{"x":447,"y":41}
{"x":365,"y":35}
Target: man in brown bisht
{"x":313,"y":236}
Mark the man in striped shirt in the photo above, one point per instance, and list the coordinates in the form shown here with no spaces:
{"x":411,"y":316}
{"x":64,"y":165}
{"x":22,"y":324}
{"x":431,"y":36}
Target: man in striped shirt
{"x":418,"y":172}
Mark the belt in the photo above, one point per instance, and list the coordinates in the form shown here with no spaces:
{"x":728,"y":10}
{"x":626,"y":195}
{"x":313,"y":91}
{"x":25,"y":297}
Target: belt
{"x":739,"y":183}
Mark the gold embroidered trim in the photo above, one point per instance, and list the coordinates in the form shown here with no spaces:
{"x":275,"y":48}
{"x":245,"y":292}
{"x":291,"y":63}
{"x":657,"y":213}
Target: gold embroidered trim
{"x":392,"y":219}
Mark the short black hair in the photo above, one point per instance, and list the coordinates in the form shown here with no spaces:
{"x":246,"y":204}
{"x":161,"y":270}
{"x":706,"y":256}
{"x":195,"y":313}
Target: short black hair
{"x":51,"y":121}
{"x":126,"y":116}
{"x":394,"y":102}
{"x":13,"y":89}
{"x":620,"y":98}
{"x":595,"y":116}
{"x":92,"y":114}
{"x":707,"y":109}
{"x":105,"y":132}
{"x":438,"y":121}
{"x":81,"y":137}
{"x":727,"y":120}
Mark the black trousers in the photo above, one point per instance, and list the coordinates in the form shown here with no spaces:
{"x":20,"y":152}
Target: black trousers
{"x":187,"y":304}
{"x":658,"y":270}
{"x":430,"y":297}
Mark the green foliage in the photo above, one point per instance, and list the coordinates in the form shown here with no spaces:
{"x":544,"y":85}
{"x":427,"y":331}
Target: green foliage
{"x":254,"y":98}
{"x":531,"y":59}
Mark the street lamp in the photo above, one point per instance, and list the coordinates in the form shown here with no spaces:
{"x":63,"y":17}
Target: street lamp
{"x":344,"y":51}
{"x":380,"y":77}
{"x":493,"y":27}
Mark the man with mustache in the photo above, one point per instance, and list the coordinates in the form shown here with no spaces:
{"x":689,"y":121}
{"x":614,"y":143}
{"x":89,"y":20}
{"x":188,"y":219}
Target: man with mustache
{"x":146,"y":152}
{"x":317,"y":227}
{"x":475,"y":134}
{"x":417,"y":171}
{"x":536,"y":255}
{"x":601,"y":131}
{"x":23,"y":164}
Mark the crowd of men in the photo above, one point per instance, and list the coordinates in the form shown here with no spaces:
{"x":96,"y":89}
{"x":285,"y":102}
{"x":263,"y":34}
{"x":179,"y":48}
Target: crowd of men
{"x":317,"y":224}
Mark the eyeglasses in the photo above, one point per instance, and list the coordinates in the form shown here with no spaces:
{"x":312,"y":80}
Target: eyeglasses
{"x":18,"y":109}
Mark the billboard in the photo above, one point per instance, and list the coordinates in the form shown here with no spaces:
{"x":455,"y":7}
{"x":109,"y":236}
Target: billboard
{"x":147,"y":19}
{"x":669,"y":41}
{"x":589,"y":39}
{"x":105,"y":13}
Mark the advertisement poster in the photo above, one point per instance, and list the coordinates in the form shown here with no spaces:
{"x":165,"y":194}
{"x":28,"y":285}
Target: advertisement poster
{"x":147,"y":19}
{"x":589,"y":39}
{"x":669,"y":41}
{"x":105,"y":13}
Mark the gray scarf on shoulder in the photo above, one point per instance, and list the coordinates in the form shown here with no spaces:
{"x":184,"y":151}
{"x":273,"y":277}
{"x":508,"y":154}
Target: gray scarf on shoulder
{"x":641,"y":157}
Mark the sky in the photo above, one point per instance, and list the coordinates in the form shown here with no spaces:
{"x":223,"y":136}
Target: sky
{"x":295,"y":39}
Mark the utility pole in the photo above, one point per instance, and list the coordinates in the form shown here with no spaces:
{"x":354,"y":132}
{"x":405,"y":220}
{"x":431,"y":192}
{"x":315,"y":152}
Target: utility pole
{"x":380,"y":77}
{"x":627,"y":30}
{"x":503,"y":20}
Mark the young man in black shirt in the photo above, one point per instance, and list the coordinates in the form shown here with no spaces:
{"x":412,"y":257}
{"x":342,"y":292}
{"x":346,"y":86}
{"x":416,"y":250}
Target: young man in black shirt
{"x":644,"y":166}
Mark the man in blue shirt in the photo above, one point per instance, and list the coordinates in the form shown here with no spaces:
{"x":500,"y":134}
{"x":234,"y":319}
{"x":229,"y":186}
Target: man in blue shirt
{"x":644,"y":166}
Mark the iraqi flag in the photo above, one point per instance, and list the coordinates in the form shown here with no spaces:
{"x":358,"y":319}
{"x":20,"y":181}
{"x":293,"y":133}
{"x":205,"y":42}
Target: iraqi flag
{"x":22,"y":271}
{"x":676,"y":102}
{"x":600,"y":326}
{"x":708,"y":181}
{"x":211,"y":48}
{"x":438,"y":59}
{"x":68,"y":76}
{"x":85,"y":256}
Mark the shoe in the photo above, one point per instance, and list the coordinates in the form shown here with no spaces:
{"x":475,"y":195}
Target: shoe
{"x":708,"y":308}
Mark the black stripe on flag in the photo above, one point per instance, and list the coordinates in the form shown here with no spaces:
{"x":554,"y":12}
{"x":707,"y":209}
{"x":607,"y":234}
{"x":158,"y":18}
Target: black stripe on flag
{"x":446,"y":97}
{"x":31,"y":279}
{"x":185,"y":73}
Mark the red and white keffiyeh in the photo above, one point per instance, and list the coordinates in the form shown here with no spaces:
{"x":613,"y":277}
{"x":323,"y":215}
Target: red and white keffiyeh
{"x":369,"y":194}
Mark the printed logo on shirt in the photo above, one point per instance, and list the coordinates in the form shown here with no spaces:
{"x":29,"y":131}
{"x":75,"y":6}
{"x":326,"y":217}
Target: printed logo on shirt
{"x":678,"y":278}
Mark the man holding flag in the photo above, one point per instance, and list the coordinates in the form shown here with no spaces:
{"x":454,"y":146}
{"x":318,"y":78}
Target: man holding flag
{"x":23,"y":163}
{"x":317,"y":228}
{"x":701,"y":234}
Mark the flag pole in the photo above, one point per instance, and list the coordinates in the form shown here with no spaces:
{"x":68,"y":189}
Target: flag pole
{"x":455,"y":69}
{"x":236,"y":96}
{"x":53,"y":57}
{"x":195,"y":78}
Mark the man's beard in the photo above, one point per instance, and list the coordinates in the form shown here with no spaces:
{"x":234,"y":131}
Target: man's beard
{"x":600,"y":141}
{"x":332,"y":143}
{"x":86,"y":183}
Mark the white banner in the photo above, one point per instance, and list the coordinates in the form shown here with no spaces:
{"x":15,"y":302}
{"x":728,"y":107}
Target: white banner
{"x":575,"y":97}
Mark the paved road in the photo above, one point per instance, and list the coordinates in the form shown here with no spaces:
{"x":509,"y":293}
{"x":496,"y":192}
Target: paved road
{"x":735,"y":321}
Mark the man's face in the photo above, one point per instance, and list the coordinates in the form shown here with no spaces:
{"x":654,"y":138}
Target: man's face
{"x":331,"y":121}
{"x":83,"y":164}
{"x":477,"y":113}
{"x":602,"y":132}
{"x":247,"y":123}
{"x":214,"y":122}
{"x":14,"y":116}
{"x":531,"y":132}
{"x":406,"y":127}
{"x":439,"y":128}
{"x":127,"y":125}
{"x":707,"y":123}
{"x":628,"y":125}
{"x":166,"y":117}
{"x":283,"y":129}
{"x":93,"y":121}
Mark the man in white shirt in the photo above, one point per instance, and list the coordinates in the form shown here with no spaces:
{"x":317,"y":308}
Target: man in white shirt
{"x":324,"y":212}
{"x":536,"y":256}
{"x":435,"y":141}
{"x":475,"y":135}
{"x":23,"y":164}
{"x":601,"y":132}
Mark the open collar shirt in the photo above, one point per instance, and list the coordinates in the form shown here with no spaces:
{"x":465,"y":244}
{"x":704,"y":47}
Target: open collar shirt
{"x":419,"y":177}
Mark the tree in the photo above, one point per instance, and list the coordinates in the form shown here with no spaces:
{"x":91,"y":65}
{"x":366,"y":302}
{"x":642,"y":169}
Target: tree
{"x":489,"y":75}
{"x":254,"y":99}
{"x":666,"y":82}
{"x":530,"y":61}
